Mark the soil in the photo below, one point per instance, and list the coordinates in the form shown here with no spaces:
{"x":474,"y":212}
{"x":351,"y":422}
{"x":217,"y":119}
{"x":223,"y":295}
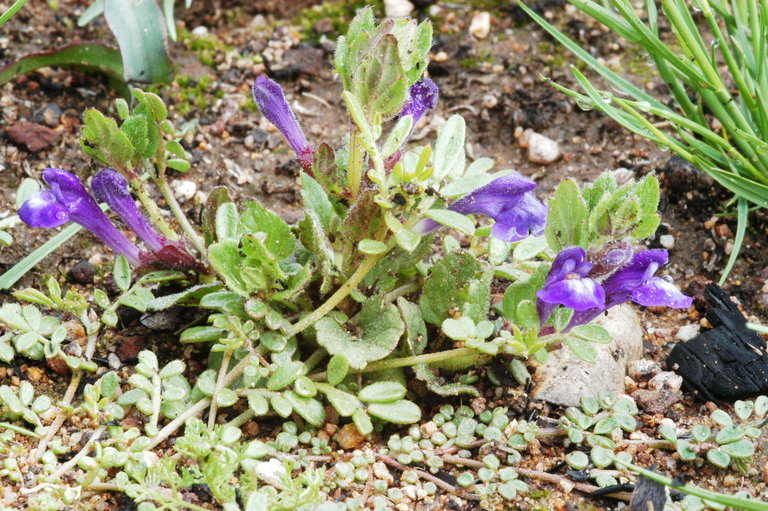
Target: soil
{"x":494,"y":83}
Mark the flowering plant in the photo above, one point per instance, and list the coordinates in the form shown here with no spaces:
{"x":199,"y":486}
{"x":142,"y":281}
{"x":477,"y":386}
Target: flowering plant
{"x":391,"y":269}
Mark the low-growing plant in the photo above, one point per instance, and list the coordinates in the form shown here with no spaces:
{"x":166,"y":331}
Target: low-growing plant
{"x":389,"y":274}
{"x":716,"y":77}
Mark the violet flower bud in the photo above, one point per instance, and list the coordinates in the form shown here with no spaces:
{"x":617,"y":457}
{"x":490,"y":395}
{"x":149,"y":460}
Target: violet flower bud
{"x":508,"y":201}
{"x":67,"y":199}
{"x":110,"y":187}
{"x":273,"y":105}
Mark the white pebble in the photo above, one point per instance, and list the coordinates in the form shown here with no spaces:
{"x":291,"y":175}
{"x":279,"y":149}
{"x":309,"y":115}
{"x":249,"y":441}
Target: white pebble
{"x":480,"y":26}
{"x":666,"y":380}
{"x":397,"y":8}
{"x":542,"y":149}
{"x":667,"y":241}
{"x":271,"y":472}
{"x":200,"y":31}
{"x":688,"y":332}
{"x":184,"y":189}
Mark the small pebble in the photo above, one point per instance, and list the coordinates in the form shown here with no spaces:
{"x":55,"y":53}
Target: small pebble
{"x":83,"y":272}
{"x":480,"y":26}
{"x":349,"y":437}
{"x":200,"y":31}
{"x":642,"y":369}
{"x":540,"y":148}
{"x":489,"y":101}
{"x":397,"y":8}
{"x":666,"y":380}
{"x":667,"y":241}
{"x":184,"y":189}
{"x":688,"y":332}
{"x":381,"y":471}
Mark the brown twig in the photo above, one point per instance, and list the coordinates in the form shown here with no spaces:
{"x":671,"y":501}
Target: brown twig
{"x":426,"y":475}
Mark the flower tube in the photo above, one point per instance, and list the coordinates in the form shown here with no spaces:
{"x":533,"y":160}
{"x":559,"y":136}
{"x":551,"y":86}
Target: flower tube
{"x":567,"y":284}
{"x":273,"y":105}
{"x":68,"y":200}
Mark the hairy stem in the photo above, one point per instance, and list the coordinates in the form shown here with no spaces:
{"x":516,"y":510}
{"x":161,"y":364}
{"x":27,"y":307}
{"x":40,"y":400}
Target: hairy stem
{"x":152,"y":210}
{"x":63,"y":469}
{"x":191,"y":233}
{"x":219,"y":385}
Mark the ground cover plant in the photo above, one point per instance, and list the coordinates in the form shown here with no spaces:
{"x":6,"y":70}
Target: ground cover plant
{"x":389,"y":275}
{"x":717,"y":81}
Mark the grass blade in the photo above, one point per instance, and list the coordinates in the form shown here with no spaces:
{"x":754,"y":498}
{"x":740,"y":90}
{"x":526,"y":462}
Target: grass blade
{"x":742,"y":211}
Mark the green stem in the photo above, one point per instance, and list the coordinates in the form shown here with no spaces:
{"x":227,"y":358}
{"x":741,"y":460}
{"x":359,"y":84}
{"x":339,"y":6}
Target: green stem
{"x":19,"y":429}
{"x":337,"y":297}
{"x":195,"y":238}
{"x":156,"y":402}
{"x":355,"y":168}
{"x":219,"y":385}
{"x":152,"y":210}
{"x":13,"y":9}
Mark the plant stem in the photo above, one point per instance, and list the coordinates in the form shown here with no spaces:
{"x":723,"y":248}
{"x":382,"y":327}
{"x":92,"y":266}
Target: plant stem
{"x":195,"y":238}
{"x":336,"y":297}
{"x":156,"y":401}
{"x":170,"y":428}
{"x":355,"y":170}
{"x":219,"y":385}
{"x":63,"y":469}
{"x":13,"y":9}
{"x":19,"y":429}
{"x":152,"y":210}
{"x":403,"y":290}
{"x":427,"y":358}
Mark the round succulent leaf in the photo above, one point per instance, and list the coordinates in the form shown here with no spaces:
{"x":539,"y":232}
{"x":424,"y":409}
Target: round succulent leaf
{"x":668,"y":433}
{"x":338,"y":367}
{"x":589,"y":405}
{"x":230,"y":435}
{"x":624,"y":457}
{"x":575,"y":435}
{"x":729,"y":434}
{"x":701,"y":433}
{"x":173,"y":393}
{"x":226,"y":397}
{"x":281,"y":405}
{"x":401,"y":412}
{"x":605,"y":426}
{"x":685,"y":450}
{"x":258,"y":403}
{"x":626,"y":421}
{"x":459,"y":329}
{"x":740,"y":449}
{"x":372,"y":247}
{"x":285,"y":375}
{"x":626,"y":405}
{"x":604,"y":480}
{"x":130,"y":397}
{"x":311,"y":410}
{"x":601,"y":456}
{"x":362,"y":422}
{"x":743,"y":409}
{"x":507,"y":490}
{"x":382,"y":392}
{"x":305,"y":387}
{"x":761,"y":406}
{"x":577,"y":460}
{"x":722,"y":418}
{"x":206,"y":382}
{"x":600,"y":441}
{"x":719,"y":458}
{"x":344,"y":402}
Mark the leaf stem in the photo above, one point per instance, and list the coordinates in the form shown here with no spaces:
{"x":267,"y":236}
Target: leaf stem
{"x":152,"y":210}
{"x":195,"y":238}
{"x":219,"y":385}
{"x":336,"y":298}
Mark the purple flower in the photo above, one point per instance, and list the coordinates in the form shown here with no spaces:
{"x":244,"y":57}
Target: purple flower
{"x":423,"y":97}
{"x":567,"y":284}
{"x":110,"y":187}
{"x":509,"y":201}
{"x":272,"y":105}
{"x":67,"y":199}
{"x":636,"y":282}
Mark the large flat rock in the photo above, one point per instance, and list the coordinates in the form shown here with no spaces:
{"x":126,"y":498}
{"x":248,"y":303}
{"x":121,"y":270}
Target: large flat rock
{"x":564,"y":379}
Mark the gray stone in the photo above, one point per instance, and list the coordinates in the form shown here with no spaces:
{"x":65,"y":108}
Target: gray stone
{"x":666,"y":380}
{"x":542,"y":149}
{"x":564,"y":379}
{"x":642,"y":369}
{"x":688,"y":332}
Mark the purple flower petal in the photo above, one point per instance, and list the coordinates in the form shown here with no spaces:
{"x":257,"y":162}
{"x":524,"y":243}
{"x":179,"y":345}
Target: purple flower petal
{"x":68,"y":199}
{"x":423,"y":97}
{"x":42,"y":210}
{"x":501,"y":194}
{"x":619,"y":286}
{"x":273,"y":105}
{"x":571,"y":260}
{"x":579,"y":294}
{"x":529,"y":216}
{"x":658,"y":291}
{"x":110,"y":187}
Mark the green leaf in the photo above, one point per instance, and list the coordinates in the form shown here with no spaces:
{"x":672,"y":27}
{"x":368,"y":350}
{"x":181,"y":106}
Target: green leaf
{"x":285,"y":375}
{"x":382,"y":392}
{"x":139,"y":29}
{"x":729,"y":434}
{"x":143,"y":134}
{"x":338,"y":367}
{"x":312,"y":236}
{"x":225,"y":259}
{"x":401,"y":412}
{"x":581,"y":349}
{"x":227,"y":221}
{"x":722,"y":418}
{"x":592,"y":333}
{"x":415,"y":328}
{"x":380,"y":326}
{"x":88,"y":56}
{"x":362,"y":421}
{"x":397,"y":136}
{"x":311,"y":410}
{"x":566,"y":217}
{"x":256,"y":218}
{"x":344,"y":403}
{"x":437,"y":384}
{"x":447,"y":284}
{"x":740,"y":449}
{"x":281,"y":405}
{"x":448,"y":157}
{"x":408,"y":240}
{"x":122,"y":273}
{"x":102,"y":140}
{"x":316,"y":200}
{"x":217,"y":197}
{"x":577,"y":460}
{"x":202,"y":334}
{"x":453,"y":220}
{"x":372,"y":247}
{"x":379,"y":81}
{"x":459,"y":329}
{"x":719,"y":457}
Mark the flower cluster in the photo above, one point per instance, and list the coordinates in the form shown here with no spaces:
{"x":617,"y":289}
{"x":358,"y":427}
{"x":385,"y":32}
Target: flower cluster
{"x":573,"y":282}
{"x":68,"y":200}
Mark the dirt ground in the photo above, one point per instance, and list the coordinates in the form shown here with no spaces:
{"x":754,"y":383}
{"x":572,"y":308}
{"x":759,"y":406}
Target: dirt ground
{"x":495,"y":83}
